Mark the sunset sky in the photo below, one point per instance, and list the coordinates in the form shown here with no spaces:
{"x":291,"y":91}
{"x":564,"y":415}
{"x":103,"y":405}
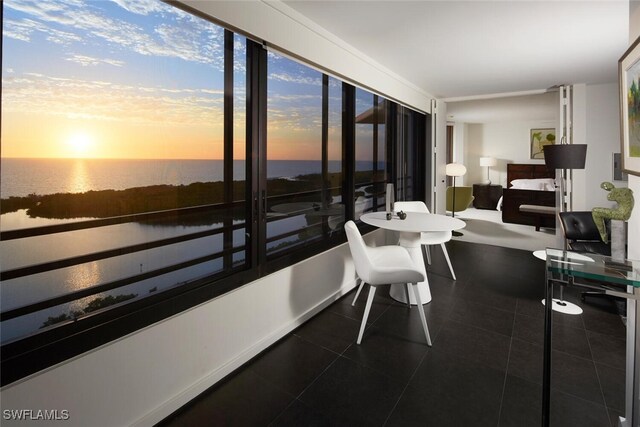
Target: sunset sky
{"x":137,"y":79}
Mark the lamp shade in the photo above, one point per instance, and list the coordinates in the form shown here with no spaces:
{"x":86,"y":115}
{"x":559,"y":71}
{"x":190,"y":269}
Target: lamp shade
{"x":488,"y":161}
{"x":565,"y":156}
{"x":455,"y":169}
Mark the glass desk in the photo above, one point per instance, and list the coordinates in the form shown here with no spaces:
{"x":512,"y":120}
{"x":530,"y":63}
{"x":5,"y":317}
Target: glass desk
{"x":611,"y":277}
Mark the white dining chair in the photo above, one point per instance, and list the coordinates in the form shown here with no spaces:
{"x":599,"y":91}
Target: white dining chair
{"x":383,"y":265}
{"x":428,"y":238}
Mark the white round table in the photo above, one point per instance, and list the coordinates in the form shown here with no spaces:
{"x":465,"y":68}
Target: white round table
{"x":410,"y":229}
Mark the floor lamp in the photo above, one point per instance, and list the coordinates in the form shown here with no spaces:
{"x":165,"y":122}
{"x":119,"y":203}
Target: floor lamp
{"x":454,"y":170}
{"x":563,"y":157}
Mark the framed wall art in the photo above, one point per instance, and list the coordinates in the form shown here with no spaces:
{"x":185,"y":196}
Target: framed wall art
{"x":629,"y":76}
{"x":538,"y":138}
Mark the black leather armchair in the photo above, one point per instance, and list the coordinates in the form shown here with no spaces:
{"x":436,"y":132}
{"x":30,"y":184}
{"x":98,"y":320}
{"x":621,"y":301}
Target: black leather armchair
{"x":582,"y":235}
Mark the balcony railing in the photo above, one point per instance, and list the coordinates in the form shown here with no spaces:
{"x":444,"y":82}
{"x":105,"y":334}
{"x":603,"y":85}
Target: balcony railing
{"x":319,"y":229}
{"x":106,"y":254}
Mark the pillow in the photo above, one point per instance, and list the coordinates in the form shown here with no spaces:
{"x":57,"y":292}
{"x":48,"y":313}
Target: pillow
{"x":525,"y":184}
{"x":542,"y":184}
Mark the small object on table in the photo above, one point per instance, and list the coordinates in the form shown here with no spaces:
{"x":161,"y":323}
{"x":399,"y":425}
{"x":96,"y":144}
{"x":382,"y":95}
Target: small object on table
{"x":389,"y":216}
{"x":402,"y":215}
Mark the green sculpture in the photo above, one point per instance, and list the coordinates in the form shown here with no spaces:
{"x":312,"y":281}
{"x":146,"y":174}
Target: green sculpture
{"x":624,"y":197}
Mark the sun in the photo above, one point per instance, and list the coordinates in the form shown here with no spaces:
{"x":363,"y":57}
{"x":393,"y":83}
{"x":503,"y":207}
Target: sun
{"x":80,"y":144}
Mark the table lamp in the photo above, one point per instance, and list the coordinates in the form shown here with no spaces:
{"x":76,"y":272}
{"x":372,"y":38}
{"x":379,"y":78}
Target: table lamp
{"x":564,"y":156}
{"x":488,"y":162}
{"x":454,"y":170}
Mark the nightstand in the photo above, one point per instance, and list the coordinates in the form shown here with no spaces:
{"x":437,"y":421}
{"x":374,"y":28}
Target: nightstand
{"x":486,"y":196}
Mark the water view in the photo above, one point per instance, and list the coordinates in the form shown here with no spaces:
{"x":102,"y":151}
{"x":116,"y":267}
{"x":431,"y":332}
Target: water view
{"x":91,"y":91}
{"x":51,"y":191}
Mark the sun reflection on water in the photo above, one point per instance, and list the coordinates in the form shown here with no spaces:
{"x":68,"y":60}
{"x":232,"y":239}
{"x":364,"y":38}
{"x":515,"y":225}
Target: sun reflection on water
{"x":80,"y":180}
{"x":83,"y":276}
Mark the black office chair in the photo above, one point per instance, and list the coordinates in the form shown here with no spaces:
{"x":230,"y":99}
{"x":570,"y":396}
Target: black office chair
{"x":582,"y":235}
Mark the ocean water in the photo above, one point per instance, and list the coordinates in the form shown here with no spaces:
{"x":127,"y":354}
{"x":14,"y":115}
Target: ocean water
{"x":20,"y":177}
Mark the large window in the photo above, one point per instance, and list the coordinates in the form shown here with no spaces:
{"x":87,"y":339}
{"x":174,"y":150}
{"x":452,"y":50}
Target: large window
{"x":410,"y":155}
{"x":115,"y":145}
{"x":304,"y":155}
{"x":370,"y":152}
{"x":152,"y":160}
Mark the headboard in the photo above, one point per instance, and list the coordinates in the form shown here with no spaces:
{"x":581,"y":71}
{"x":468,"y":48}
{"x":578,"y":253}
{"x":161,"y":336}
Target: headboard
{"x":523,"y":171}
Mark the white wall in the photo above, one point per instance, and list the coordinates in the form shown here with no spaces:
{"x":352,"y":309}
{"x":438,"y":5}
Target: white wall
{"x":459,"y":136}
{"x":145,"y":376}
{"x":577,"y":186}
{"x":603,"y":139}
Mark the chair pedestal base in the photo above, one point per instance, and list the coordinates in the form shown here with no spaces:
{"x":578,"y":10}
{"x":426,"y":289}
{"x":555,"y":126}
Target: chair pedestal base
{"x":564,"y":307}
{"x":398,"y":293}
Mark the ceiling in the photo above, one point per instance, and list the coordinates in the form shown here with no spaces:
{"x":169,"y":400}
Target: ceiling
{"x":467,"y":49}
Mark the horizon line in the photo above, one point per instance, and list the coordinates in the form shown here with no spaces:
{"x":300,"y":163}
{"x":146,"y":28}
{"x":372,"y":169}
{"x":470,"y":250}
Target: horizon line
{"x":165,"y":158}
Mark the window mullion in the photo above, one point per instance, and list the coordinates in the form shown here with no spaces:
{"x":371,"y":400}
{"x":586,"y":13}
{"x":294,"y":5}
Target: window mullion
{"x":348,"y":149}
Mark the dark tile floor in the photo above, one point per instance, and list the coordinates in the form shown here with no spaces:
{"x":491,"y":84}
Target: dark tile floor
{"x":484,"y":369}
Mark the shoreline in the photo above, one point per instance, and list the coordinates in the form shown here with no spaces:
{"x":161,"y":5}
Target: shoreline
{"x":153,"y":198}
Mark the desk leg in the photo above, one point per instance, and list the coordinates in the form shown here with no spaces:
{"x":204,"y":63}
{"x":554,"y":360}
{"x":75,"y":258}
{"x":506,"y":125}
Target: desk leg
{"x":635,"y":353}
{"x":411,"y":241}
{"x":632,"y":408}
{"x":546,"y":375}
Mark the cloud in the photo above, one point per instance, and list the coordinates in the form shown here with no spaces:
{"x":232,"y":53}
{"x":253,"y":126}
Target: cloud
{"x":200,"y":41}
{"x":286,"y":77}
{"x":14,"y":30}
{"x":147,"y":28}
{"x":142,"y":7}
{"x":38,"y":94}
{"x":24,"y":29}
{"x":43,"y":10}
{"x":295,"y":99}
{"x":298,"y":118}
{"x":86,"y":61}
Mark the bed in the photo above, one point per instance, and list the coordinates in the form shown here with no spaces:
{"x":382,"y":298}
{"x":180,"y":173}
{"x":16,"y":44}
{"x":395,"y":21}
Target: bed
{"x":529,"y":185}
